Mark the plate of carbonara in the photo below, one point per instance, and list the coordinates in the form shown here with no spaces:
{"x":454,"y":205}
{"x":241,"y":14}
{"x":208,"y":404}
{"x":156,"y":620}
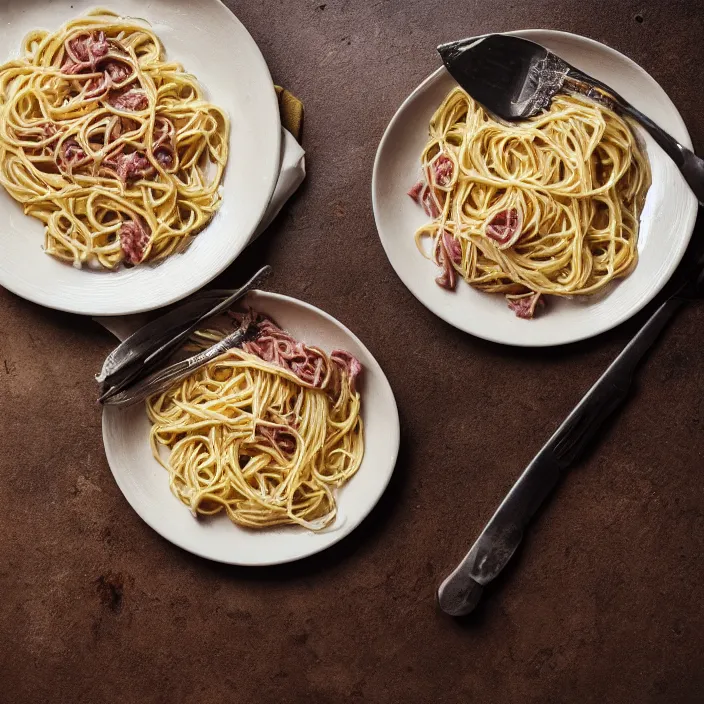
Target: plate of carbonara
{"x":539,"y":232}
{"x":273,"y":451}
{"x":136,"y":156}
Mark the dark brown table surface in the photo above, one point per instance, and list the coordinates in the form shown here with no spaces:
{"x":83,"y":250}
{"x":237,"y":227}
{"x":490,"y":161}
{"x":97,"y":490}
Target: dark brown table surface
{"x":605,"y":601}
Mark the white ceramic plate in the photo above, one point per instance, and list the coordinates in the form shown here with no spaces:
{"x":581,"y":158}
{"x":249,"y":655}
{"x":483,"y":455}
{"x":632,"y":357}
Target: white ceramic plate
{"x":145,"y":483}
{"x":212,"y":44}
{"x":666,"y":224}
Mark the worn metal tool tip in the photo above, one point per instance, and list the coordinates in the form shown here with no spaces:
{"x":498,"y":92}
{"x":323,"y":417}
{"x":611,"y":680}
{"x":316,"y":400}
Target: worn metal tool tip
{"x":459,"y":597}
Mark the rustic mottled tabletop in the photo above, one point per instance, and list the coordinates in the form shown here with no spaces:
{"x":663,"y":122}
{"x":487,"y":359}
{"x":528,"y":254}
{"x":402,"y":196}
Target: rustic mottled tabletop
{"x":604,"y":602}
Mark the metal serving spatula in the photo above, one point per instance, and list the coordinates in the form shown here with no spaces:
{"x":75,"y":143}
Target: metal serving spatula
{"x":515,"y":79}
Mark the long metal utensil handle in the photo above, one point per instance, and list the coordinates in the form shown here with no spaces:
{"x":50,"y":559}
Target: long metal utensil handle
{"x":255,"y":281}
{"x":460,"y":592}
{"x":691,"y":166}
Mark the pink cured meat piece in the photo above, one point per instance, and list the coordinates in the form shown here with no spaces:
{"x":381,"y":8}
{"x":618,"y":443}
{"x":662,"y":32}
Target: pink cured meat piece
{"x":129,"y":166}
{"x":280,"y":438}
{"x":416,"y":191}
{"x":118,"y":71}
{"x":524,"y":306}
{"x":505,"y":228}
{"x":134,"y":239}
{"x":164,"y":147}
{"x":114,"y":73}
{"x":422,"y":195}
{"x":349,"y":363}
{"x":450,"y":250}
{"x":452,"y":247}
{"x":132,"y":100}
{"x":163,"y":156}
{"x":309,"y":364}
{"x":442,"y":170}
{"x":87,"y":49}
{"x":71,"y":153}
{"x":275,"y":346}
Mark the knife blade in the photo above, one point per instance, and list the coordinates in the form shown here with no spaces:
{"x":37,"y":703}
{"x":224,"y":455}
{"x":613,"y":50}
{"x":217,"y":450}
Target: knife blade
{"x":459,"y":593}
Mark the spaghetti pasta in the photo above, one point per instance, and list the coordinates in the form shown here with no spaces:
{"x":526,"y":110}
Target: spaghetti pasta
{"x":114,"y":148}
{"x":549,"y":206}
{"x":265,"y":433}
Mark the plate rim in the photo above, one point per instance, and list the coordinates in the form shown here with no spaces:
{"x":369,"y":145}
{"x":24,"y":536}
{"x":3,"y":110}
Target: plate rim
{"x":393,"y":441}
{"x":598,"y":329}
{"x":25,"y":290}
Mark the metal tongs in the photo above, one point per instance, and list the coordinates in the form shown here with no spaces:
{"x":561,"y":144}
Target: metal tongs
{"x":131,"y":372}
{"x":161,"y":380}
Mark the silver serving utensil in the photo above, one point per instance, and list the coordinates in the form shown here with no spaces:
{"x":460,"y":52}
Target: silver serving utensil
{"x":155,"y":342}
{"x":459,"y":593}
{"x":164,"y":378}
{"x":515,"y":79}
{"x":156,"y":332}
